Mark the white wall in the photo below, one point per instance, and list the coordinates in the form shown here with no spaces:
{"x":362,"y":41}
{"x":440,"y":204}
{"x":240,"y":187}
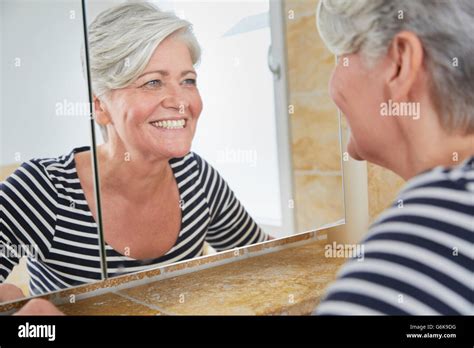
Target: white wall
{"x":237,"y":129}
{"x":43,"y":38}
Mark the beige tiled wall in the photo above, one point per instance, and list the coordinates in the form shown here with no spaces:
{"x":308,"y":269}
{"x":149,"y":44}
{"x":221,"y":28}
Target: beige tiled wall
{"x":383,"y":186}
{"x":314,"y":123}
{"x":315,"y":127}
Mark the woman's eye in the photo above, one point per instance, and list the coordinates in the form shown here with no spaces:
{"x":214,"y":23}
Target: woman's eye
{"x":153,"y":83}
{"x":190,"y":82}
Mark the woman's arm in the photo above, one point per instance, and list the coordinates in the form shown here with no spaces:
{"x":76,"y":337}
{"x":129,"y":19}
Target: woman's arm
{"x":27,"y":215}
{"x":231,"y":225}
{"x":23,"y":199}
{"x":9,"y":244}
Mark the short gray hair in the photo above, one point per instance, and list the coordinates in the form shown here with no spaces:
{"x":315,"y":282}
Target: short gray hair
{"x":122,"y":40}
{"x":445,"y":28}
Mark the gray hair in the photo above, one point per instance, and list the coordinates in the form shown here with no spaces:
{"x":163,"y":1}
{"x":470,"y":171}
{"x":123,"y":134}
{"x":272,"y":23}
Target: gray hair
{"x":445,"y":28}
{"x":122,"y":40}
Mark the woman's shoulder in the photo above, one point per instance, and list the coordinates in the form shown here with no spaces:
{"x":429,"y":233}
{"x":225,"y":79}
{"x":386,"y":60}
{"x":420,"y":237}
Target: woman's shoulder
{"x":56,"y":166}
{"x":434,"y":208}
{"x":44,"y":171}
{"x":190,"y":163}
{"x":418,"y":249}
{"x":194,"y":169}
{"x":457,"y":177}
{"x":445,"y":191}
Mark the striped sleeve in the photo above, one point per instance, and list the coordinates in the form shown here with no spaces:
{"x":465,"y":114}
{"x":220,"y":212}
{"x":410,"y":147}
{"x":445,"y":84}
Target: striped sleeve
{"x":418,"y":256}
{"x":27,"y":215}
{"x":231,"y":226}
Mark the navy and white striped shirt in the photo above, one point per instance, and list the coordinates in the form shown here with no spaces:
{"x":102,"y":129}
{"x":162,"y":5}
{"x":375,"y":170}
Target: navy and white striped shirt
{"x":418,"y":255}
{"x":43,"y":206}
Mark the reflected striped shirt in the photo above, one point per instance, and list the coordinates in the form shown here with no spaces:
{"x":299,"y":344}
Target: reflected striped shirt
{"x":44,"y":213}
{"x":418,"y":255}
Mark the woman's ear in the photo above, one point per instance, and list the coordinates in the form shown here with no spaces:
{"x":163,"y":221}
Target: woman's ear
{"x":102,"y":115}
{"x":406,"y":54}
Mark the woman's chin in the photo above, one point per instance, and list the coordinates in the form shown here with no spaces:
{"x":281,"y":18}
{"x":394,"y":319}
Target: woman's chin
{"x":182,"y":153}
{"x":171,"y":143}
{"x":176,"y":151}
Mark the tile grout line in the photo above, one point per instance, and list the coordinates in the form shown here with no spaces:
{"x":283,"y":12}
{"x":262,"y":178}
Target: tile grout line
{"x":301,"y":15}
{"x":319,"y":172}
{"x":151,"y":306}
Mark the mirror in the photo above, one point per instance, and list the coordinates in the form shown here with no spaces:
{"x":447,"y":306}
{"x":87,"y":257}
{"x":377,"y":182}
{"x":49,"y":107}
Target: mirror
{"x":231,"y":139}
{"x":48,"y":238}
{"x":214,"y":137}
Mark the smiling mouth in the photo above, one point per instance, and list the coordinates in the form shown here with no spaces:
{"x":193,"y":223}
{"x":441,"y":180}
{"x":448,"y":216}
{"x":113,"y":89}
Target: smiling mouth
{"x":169,"y":124}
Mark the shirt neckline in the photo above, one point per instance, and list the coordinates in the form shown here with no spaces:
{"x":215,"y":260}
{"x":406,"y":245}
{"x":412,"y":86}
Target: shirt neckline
{"x":109,"y":247}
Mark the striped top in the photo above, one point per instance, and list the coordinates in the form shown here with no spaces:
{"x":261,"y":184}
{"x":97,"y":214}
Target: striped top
{"x":418,"y":255}
{"x":44,"y":211}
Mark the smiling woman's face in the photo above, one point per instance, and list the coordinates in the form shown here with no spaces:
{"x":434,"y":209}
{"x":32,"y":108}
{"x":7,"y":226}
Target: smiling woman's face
{"x":156,"y":115}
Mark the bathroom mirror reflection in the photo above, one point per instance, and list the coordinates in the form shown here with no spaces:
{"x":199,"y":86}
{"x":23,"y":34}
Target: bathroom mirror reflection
{"x":215,"y":129}
{"x":48,"y":237}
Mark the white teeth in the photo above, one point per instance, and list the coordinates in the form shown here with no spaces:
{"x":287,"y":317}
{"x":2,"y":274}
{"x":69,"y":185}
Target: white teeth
{"x":170,"y":124}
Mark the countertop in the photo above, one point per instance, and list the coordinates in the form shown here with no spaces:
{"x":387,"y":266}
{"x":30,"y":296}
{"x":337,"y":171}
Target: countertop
{"x":289,"y":281}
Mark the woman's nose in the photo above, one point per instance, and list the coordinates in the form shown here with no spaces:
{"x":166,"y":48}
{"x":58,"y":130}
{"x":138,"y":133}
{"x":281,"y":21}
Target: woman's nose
{"x":175,"y":100}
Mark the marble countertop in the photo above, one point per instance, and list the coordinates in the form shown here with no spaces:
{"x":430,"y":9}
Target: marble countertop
{"x":289,"y":281}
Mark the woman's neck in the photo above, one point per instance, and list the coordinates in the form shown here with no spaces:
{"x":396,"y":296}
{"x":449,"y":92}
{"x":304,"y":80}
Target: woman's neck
{"x":430,"y":148}
{"x":134,"y":176}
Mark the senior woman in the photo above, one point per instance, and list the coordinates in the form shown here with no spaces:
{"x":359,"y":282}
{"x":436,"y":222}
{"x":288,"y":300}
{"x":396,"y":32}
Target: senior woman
{"x":161,"y":201}
{"x":418,"y":253}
